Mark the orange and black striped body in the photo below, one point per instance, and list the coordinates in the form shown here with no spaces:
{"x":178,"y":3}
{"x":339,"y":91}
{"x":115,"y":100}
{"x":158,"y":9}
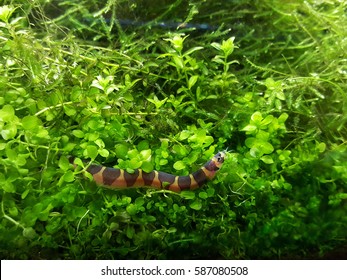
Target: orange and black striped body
{"x":118,"y":178}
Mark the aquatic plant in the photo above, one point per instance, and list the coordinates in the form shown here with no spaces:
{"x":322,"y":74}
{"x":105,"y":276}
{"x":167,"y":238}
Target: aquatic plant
{"x":267,"y":81}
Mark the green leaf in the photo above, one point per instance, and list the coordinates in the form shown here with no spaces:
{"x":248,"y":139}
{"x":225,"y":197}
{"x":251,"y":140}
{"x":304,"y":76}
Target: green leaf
{"x":130,"y":231}
{"x":78,"y":133}
{"x":147,"y":166}
{"x":203,"y":195}
{"x":163,"y":162}
{"x":100,"y":143}
{"x":25,"y":193}
{"x":190,"y":51}
{"x":143,"y":145}
{"x":54,"y":225}
{"x":192,"y":81}
{"x":196,"y":205}
{"x":104,"y":153}
{"x":114,"y":226}
{"x":267,"y":159}
{"x":265,"y":147}
{"x":250,"y":142}
{"x":64,"y":163}
{"x":158,"y":103}
{"x":28,"y":217}
{"x":78,"y":162}
{"x":341,"y":195}
{"x":139,"y":201}
{"x":69,"y":111}
{"x":270,"y":83}
{"x":9,"y":131}
{"x":210,"y":192}
{"x":255,"y":152}
{"x":11,"y":154}
{"x":93,"y":137}
{"x":150,"y":218}
{"x":256,"y":117}
{"x":68,"y":176}
{"x":268,"y":119}
{"x":249,"y":127}
{"x":178,"y":61}
{"x":79,"y":211}
{"x":7,"y":113}
{"x":228,"y":46}
{"x":8,"y":187}
{"x":283,"y":117}
{"x":216,"y":45}
{"x":121,"y":151}
{"x":131,"y":209}
{"x":218,"y":59}
{"x":280,"y":95}
{"x":179,"y":165}
{"x":321,"y":147}
{"x":258,"y":146}
{"x":29,"y":233}
{"x":13,"y":211}
{"x":92,"y":151}
{"x":263,"y":135}
{"x":187,"y":194}
{"x":146,"y":154}
{"x":134,"y":163}
{"x":30,"y":122}
{"x":177,"y":42}
{"x":184,"y":134}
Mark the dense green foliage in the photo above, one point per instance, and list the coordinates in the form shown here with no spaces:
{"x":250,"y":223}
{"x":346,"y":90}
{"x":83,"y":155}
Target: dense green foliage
{"x":267,"y":81}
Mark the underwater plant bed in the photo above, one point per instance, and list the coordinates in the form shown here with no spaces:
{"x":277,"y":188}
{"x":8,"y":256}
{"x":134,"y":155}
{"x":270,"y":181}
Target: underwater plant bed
{"x":165,"y":87}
